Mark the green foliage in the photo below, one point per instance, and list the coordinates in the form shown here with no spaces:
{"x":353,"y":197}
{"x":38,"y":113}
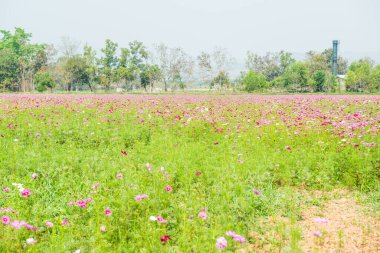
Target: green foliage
{"x":78,"y":70}
{"x":319,"y":79}
{"x":375,"y":79}
{"x":271,"y":65}
{"x":44,"y":80}
{"x":295,"y":77}
{"x":358,"y":76}
{"x":254,"y":81}
{"x":220,"y":80}
{"x":149,"y":75}
{"x":30,"y":58}
{"x":9,"y":69}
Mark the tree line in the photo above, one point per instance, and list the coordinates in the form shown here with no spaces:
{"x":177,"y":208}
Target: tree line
{"x":26,"y":66}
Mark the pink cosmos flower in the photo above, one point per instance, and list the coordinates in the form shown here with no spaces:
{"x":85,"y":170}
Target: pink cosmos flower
{"x":5,"y":220}
{"x":317,"y":233}
{"x":168,"y":188}
{"x":140,"y":197}
{"x":31,"y":241}
{"x":148,"y":167}
{"x":199,"y":173}
{"x":64,"y":222}
{"x":95,"y":185}
{"x":161,"y":220}
{"x":17,"y":224}
{"x":221,"y":243}
{"x":257,"y":192}
{"x":239,"y":238}
{"x":107,"y":212}
{"x":7,"y":189}
{"x":30,"y":227}
{"x":288,"y":148}
{"x":230,"y":233}
{"x":34,"y":176}
{"x":321,"y":220}
{"x":49,"y":224}
{"x":103,"y":228}
{"x":202,"y":215}
{"x":119,"y":176}
{"x":204,"y":209}
{"x":89,"y":200}
{"x":25,"y":192}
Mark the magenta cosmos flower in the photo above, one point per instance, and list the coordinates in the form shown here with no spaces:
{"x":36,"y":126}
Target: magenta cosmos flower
{"x":168,"y":188}
{"x":165,"y":238}
{"x":25,"y":193}
{"x":107,"y":212}
{"x":119,"y":176}
{"x":5,"y":220}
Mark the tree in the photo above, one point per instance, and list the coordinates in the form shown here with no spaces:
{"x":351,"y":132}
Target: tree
{"x":44,"y":80}
{"x":30,"y":57}
{"x":271,"y":65}
{"x":91,"y":66}
{"x":358,"y":75}
{"x":322,"y":62}
{"x":132,"y":62}
{"x":78,"y":71}
{"x":108,"y":63}
{"x":319,"y":79}
{"x":295,"y":76}
{"x":253,"y":81}
{"x":149,"y":75}
{"x":375,"y":79}
{"x":69,"y":47}
{"x":176,"y":66}
{"x":204,"y":65}
{"x":9,"y":69}
{"x":221,"y":80}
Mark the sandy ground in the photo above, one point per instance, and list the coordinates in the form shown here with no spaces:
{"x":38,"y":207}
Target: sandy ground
{"x":340,"y":224}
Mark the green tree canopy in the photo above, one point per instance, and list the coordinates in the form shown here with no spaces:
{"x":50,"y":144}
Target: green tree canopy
{"x":254,"y":81}
{"x":44,"y":80}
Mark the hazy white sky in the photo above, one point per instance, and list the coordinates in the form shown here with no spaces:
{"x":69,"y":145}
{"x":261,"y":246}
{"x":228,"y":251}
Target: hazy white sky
{"x":239,"y":25}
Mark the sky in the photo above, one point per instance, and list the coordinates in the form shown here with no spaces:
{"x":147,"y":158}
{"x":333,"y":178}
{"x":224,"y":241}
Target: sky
{"x":201,"y":25}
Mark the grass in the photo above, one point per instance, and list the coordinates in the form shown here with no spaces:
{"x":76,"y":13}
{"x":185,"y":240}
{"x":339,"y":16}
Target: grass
{"x":279,"y":145}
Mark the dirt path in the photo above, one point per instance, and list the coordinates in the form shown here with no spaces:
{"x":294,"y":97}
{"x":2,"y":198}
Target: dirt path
{"x":339,"y":224}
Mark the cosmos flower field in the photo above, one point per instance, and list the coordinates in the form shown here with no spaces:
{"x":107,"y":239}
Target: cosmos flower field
{"x":174,"y":173}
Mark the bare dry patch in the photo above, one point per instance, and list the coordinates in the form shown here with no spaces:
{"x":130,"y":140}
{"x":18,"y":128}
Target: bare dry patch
{"x":337,"y":224}
{"x":340,"y":225}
